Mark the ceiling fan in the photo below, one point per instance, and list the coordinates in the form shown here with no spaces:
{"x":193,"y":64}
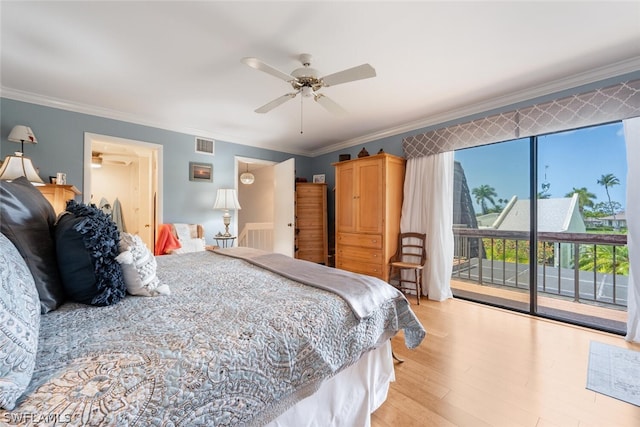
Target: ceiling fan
{"x":307,"y":82}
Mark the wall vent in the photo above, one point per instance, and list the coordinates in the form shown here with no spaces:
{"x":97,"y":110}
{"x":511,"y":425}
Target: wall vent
{"x":205,"y":146}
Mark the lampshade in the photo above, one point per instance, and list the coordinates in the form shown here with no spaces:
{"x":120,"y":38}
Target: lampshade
{"x":247,"y":177}
{"x":226,"y":199}
{"x":22,"y":134}
{"x":16,"y":166}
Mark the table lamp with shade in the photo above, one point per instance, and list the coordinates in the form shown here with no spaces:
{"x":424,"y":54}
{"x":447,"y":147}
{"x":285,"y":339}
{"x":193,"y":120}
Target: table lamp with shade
{"x":18,"y":165}
{"x":226,"y":200}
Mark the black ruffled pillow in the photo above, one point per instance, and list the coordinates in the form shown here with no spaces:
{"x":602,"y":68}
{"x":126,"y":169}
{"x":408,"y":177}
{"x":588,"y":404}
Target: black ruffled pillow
{"x":27,"y":220}
{"x":87,"y":246}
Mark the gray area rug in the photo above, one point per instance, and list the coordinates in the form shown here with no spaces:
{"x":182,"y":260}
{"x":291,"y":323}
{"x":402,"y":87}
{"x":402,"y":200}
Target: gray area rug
{"x":614,"y":371}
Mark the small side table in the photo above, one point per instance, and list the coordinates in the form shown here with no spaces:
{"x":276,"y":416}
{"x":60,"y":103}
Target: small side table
{"x":223,"y":241}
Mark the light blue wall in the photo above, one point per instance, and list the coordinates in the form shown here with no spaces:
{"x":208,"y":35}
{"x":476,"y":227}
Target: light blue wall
{"x":60,"y":148}
{"x":61,"y":136}
{"x":323,"y":165}
{"x":393,"y":144}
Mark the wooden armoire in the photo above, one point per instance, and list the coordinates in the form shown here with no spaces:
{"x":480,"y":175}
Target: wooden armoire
{"x":368,"y":205}
{"x":311,"y":222}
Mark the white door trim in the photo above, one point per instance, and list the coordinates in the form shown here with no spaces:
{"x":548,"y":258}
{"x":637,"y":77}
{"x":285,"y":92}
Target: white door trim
{"x":91,"y":138}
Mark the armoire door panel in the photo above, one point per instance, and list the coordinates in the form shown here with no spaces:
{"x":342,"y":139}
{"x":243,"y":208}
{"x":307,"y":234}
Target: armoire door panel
{"x":369,"y":218}
{"x":346,"y":200}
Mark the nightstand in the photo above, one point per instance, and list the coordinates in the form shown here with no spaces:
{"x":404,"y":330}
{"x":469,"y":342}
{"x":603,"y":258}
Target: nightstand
{"x":224,"y":241}
{"x":58,"y":195}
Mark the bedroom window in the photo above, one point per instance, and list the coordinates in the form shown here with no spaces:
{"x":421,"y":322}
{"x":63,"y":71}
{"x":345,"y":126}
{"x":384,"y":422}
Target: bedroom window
{"x":579,"y":269}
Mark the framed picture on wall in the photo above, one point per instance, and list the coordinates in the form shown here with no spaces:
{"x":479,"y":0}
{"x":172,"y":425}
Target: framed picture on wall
{"x":200,"y":172}
{"x":318,"y":179}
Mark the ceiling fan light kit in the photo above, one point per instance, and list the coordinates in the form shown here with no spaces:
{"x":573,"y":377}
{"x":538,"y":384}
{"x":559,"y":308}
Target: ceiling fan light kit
{"x":307,"y":91}
{"x":306,"y":81}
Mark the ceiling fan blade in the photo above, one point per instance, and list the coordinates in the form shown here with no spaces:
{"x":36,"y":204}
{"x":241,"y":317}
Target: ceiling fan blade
{"x":360,"y":72}
{"x":259,"y":65}
{"x":278,"y":101}
{"x":329,"y":104}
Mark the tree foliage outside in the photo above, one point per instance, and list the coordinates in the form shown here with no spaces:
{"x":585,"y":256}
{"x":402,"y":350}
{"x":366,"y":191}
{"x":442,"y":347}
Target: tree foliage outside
{"x":507,"y":250}
{"x":513,"y":251}
{"x":608,"y":181}
{"x":483,"y":194}
{"x":603,"y":256}
{"x":602,"y":209}
{"x":518,"y":251}
{"x":486,"y":194}
{"x":585,"y":198}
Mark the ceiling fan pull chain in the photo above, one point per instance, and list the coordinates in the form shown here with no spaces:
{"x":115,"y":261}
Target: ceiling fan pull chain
{"x":301,"y":115}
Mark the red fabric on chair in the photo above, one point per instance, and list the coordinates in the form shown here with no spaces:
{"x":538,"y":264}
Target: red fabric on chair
{"x":166,"y":241}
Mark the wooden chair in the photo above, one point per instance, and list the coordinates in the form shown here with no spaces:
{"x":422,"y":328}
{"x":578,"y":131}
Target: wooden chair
{"x":410,"y":255}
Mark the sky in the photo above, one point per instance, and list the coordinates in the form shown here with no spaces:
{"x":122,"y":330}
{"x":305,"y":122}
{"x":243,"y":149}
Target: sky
{"x":565,"y":160}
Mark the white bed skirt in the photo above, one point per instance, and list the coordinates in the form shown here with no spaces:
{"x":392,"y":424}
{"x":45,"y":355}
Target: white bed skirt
{"x":348,"y":398}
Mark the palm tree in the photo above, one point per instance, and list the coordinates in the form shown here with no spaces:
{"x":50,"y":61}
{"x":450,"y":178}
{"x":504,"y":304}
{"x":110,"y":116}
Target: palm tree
{"x":585,"y":198}
{"x":602,"y":257}
{"x":484,"y":193}
{"x":609,"y":180}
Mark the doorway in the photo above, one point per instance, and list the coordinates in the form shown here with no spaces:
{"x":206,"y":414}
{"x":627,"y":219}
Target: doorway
{"x":126,"y":174}
{"x":267,"y":215}
{"x":256,"y":199}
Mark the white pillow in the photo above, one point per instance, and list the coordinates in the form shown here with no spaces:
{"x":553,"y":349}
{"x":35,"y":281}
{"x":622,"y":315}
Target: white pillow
{"x":19,"y":324}
{"x":191,"y":245}
{"x":139,"y":267}
{"x":187,"y":236}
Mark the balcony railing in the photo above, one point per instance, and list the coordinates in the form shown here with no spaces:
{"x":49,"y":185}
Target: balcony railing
{"x":584,"y":267}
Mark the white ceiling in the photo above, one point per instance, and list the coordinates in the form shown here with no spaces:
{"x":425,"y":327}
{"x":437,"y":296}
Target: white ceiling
{"x":176,"y":65}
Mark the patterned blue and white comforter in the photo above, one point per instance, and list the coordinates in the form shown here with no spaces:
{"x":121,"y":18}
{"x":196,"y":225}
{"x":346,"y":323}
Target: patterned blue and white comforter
{"x":232,"y":345}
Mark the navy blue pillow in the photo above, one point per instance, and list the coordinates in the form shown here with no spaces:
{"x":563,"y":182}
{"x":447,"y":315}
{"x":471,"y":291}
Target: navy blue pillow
{"x":87,"y":245}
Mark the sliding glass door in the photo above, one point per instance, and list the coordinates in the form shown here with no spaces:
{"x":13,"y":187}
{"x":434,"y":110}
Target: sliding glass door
{"x":491,"y":224}
{"x":583,"y":263}
{"x":565,"y":256}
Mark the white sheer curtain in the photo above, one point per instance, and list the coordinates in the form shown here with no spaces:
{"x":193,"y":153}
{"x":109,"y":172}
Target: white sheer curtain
{"x":428,"y":208}
{"x":632,"y":138}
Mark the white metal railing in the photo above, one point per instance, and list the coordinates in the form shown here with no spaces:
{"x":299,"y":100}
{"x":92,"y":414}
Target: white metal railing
{"x":257,"y":235}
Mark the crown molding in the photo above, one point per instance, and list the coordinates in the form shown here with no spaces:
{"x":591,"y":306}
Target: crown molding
{"x":598,"y":74}
{"x":46,"y":101}
{"x":92,"y":110}
{"x":602,"y":73}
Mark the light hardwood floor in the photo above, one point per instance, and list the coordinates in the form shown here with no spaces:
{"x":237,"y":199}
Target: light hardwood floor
{"x":483,"y":366}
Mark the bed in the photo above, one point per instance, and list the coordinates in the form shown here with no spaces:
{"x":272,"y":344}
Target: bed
{"x":236,"y":342}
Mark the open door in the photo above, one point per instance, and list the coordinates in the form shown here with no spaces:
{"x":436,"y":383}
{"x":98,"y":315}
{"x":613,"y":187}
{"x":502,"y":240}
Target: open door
{"x":131,"y":173}
{"x":284,"y":188}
